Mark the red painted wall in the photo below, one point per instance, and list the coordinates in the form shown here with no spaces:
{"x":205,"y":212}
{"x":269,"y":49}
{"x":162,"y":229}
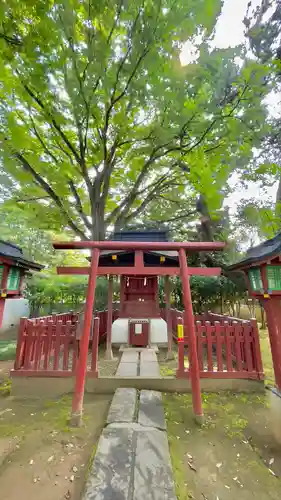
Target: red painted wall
{"x":139,"y":297}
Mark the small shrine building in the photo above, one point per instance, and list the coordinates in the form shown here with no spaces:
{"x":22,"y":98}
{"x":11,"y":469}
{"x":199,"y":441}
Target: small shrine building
{"x":13,"y":268}
{"x":262,"y":268}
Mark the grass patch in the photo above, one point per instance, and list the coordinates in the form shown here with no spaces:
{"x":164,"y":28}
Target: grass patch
{"x":227,"y":421}
{"x":266,"y":357}
{"x":8,"y":350}
{"x":5,"y":387}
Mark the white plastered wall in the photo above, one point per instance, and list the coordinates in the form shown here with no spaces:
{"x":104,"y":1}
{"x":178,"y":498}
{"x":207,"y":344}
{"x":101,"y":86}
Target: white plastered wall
{"x":158,"y":331}
{"x":14,"y":309}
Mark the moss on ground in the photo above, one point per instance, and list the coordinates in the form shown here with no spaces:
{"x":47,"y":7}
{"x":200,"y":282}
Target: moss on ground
{"x":7,"y":350}
{"x":225,"y":437}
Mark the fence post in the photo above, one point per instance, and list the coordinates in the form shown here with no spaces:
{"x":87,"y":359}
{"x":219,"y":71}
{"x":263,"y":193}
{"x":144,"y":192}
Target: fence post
{"x":20,"y":344}
{"x":95,"y":347}
{"x":181,"y":370}
{"x":38,"y":344}
{"x":257,"y":349}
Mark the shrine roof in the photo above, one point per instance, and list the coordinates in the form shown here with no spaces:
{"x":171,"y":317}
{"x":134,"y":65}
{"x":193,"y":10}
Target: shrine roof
{"x":173,"y":254}
{"x":149,"y":235}
{"x":267,"y":250}
{"x":15,"y":253}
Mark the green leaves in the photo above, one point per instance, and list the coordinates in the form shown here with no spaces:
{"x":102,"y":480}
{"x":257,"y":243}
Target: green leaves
{"x":99,"y":117}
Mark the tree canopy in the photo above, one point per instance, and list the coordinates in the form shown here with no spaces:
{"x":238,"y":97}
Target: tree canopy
{"x":100,"y":123}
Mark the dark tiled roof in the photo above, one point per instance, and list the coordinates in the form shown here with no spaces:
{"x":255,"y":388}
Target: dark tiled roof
{"x":142,"y":235}
{"x":266,"y":250}
{"x":14,"y":252}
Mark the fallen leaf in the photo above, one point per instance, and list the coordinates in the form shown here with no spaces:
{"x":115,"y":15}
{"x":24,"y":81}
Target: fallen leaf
{"x":192,"y":466}
{"x":271,"y":461}
{"x":5,"y":411}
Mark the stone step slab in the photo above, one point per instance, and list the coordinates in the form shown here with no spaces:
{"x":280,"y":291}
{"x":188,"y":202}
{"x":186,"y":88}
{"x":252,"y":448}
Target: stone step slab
{"x":127,"y":370}
{"x":110,"y":475}
{"x":130,"y":356}
{"x":151,"y":412}
{"x":148,"y":355}
{"x":123,"y":406}
{"x":149,"y":369}
{"x":153,"y":477}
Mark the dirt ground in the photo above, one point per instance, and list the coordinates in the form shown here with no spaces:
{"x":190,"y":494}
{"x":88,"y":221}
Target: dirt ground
{"x":5,"y":368}
{"x":234,"y":455}
{"x":49,"y":459}
{"x":40,"y":456}
{"x":168,"y":368}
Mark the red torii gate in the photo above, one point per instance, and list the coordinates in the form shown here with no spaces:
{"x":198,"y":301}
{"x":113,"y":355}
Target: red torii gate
{"x":137,"y":270}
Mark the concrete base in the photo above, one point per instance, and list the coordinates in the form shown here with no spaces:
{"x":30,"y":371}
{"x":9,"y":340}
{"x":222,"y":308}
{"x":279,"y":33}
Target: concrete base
{"x":170,"y":355}
{"x":76,"y":420}
{"x":108,"y":355}
{"x":199,"y":419}
{"x":158,"y":331}
{"x":51,"y":387}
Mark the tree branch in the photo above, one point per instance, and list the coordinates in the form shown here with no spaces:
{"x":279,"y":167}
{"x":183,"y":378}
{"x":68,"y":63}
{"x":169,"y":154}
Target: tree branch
{"x":79,"y":206}
{"x":49,"y":190}
{"x":53,"y":121}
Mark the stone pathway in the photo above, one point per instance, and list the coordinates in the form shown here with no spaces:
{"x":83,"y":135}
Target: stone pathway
{"x":138,"y":363}
{"x":132,"y":461}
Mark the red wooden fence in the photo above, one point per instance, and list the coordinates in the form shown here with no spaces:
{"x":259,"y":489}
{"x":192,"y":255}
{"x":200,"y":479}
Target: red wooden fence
{"x":227,"y":347}
{"x":48,"y":345}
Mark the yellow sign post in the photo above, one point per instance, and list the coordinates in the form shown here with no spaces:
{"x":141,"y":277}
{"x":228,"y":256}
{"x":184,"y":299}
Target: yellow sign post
{"x":180,"y":333}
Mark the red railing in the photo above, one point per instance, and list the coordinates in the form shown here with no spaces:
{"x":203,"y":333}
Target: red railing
{"x":49,"y":345}
{"x":226,"y":348}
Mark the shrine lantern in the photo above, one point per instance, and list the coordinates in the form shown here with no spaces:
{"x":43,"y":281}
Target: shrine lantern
{"x":262,"y":268}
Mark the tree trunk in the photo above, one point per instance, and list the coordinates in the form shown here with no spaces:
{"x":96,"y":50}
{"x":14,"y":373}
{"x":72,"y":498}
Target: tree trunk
{"x":278,"y":203}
